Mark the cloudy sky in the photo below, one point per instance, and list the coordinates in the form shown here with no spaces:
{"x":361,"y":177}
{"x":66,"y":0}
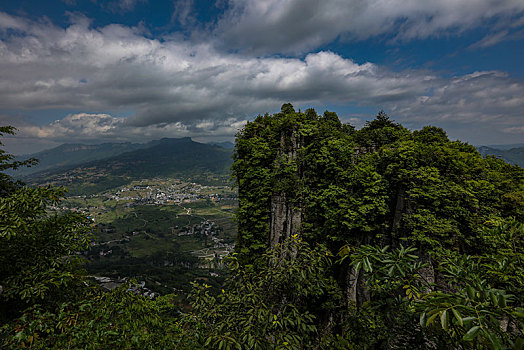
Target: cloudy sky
{"x":135,"y":70}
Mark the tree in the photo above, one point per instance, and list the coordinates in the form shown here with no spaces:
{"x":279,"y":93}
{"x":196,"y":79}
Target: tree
{"x":277,"y":306}
{"x":382,"y":185}
{"x":117,"y":319}
{"x":37,"y":249}
{"x":470,"y":307}
{"x":7,"y":184}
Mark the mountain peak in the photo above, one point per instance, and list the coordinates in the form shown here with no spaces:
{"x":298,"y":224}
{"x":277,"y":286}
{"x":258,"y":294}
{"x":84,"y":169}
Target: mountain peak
{"x":176,"y":139}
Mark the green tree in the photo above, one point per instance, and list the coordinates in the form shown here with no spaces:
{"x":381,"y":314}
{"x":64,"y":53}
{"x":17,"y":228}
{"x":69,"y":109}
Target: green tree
{"x":276,"y":307}
{"x":475,"y":305}
{"x":38,"y":249}
{"x":380,"y":185}
{"x":7,"y":184}
{"x":117,"y":319}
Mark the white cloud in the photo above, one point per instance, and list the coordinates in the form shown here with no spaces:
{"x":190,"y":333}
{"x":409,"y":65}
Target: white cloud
{"x":478,"y":97}
{"x":289,"y":26}
{"x":178,"y":88}
{"x":122,"y":6}
{"x":115,"y":67}
{"x":12,"y":23}
{"x":183,"y":12}
{"x":498,"y":37}
{"x":85,"y":127}
{"x":515,"y":130}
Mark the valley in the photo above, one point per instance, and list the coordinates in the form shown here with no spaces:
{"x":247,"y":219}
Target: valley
{"x":161,"y":214}
{"x":163,"y":232}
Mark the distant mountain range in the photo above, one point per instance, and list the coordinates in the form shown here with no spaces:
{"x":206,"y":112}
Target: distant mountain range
{"x":512,"y":155}
{"x":224,"y":144}
{"x":69,"y":155}
{"x":168,"y":157}
{"x":506,"y":147}
{"x":86,"y":169}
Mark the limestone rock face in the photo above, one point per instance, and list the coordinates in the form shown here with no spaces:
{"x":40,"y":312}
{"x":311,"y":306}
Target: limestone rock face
{"x":286,"y":220}
{"x":286,"y":211}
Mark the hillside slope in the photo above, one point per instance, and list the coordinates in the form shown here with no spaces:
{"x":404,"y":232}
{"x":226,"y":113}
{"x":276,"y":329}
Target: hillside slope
{"x":169,"y":157}
{"x":71,"y":154}
{"x":512,"y":155}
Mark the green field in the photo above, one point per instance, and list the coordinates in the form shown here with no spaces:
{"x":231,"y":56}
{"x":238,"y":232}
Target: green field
{"x":142,"y":241}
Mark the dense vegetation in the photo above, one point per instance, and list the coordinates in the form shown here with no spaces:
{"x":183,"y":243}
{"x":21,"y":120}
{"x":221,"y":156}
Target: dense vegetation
{"x":379,"y":238}
{"x":367,"y":195}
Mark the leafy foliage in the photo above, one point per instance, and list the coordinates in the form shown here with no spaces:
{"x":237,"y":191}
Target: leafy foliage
{"x":388,"y":272}
{"x":101,"y":320}
{"x":7,"y":162}
{"x":378,"y":184}
{"x":383,"y":185}
{"x":37,"y":250}
{"x":276,"y":307}
{"x":465,"y":305}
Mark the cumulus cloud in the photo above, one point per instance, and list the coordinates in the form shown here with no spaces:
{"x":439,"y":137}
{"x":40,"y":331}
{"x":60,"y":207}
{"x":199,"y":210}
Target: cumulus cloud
{"x":122,"y":6}
{"x":81,"y":125}
{"x":486,"y":106}
{"x":183,"y":12}
{"x":481,"y":97}
{"x":290,"y":26}
{"x":179,"y":88}
{"x":116,"y":67}
{"x":93,"y":127}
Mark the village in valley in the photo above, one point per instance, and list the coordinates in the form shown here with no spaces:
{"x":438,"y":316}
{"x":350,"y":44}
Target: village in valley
{"x":163,"y":232}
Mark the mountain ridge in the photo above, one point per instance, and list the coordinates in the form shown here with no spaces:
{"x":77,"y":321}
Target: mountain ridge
{"x":513,"y":155}
{"x":167,"y":157}
{"x":70,"y":155}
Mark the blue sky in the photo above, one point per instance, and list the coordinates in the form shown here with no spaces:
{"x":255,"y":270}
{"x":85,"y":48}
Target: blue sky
{"x":135,"y":70}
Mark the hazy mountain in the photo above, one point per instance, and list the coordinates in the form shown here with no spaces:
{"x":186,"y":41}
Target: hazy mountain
{"x":223,"y":144}
{"x":169,"y":156}
{"x":71,"y":154}
{"x":181,"y":158}
{"x":513,"y":155}
{"x":506,"y":147}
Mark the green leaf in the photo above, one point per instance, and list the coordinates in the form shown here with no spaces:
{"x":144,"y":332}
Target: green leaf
{"x":431,"y":319}
{"x":423,"y":319}
{"x":471,"y":334}
{"x":367,"y":265}
{"x":519,"y":312}
{"x":390,"y":271}
{"x":468,"y":319}
{"x":444,"y":321}
{"x":494,"y":299}
{"x":493,"y":339}
{"x":519,"y":344}
{"x":502,"y":300}
{"x":458,"y":317}
{"x":471,"y":292}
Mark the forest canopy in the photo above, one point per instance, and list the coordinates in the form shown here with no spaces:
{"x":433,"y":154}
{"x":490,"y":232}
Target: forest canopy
{"x":428,"y":232}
